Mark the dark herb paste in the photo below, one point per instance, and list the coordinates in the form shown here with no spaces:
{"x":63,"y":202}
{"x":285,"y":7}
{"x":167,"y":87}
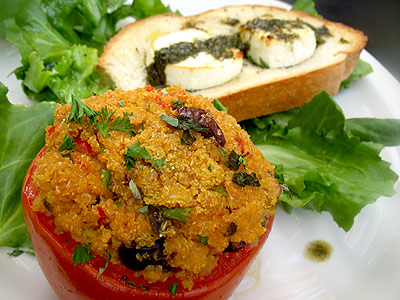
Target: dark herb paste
{"x":221,"y":47}
{"x":318,"y":251}
{"x":275,"y":26}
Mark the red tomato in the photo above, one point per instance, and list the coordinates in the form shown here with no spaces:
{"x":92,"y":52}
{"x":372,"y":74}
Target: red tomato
{"x":54,"y":254}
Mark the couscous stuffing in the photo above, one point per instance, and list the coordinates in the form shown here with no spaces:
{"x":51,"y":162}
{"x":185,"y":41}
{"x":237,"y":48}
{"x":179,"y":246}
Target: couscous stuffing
{"x":158,"y":180}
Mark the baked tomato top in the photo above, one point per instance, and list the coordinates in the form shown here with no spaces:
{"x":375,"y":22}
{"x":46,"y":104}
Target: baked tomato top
{"x":100,"y":279}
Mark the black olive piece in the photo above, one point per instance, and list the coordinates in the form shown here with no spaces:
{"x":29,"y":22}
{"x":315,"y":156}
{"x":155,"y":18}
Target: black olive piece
{"x":148,"y":255}
{"x":203,"y":118}
{"x":234,"y":246}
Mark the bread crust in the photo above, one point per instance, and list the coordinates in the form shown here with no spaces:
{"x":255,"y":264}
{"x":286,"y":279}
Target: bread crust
{"x":255,"y":92}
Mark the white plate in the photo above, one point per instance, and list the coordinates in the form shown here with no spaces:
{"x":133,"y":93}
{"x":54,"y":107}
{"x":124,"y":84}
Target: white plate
{"x":365,"y":261}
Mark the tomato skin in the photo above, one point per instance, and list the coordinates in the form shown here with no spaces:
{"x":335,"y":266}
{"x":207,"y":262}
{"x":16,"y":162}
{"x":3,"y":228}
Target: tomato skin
{"x":81,"y":282}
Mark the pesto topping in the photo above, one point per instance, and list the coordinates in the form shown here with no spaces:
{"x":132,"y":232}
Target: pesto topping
{"x":275,"y":27}
{"x":220,"y":47}
{"x":230,"y":21}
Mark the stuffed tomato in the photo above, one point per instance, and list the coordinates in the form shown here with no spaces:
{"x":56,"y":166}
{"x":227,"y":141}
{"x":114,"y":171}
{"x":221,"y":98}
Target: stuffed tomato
{"x":147,"y":194}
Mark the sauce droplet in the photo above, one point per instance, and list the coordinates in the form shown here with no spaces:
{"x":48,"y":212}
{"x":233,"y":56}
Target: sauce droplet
{"x":318,"y":251}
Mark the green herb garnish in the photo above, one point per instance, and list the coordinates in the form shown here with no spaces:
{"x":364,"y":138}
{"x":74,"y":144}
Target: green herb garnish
{"x":105,"y":176}
{"x":67,"y":144}
{"x":170,"y":120}
{"x":177,"y":102}
{"x":121,"y":103}
{"x":121,"y":124}
{"x":82,"y":254}
{"x":243,"y":179}
{"x":135,"y":190}
{"x":223,"y":152}
{"x":102,"y":269}
{"x":218,"y":105}
{"x":173,"y":289}
{"x":145,"y":288}
{"x":179,"y":214}
{"x":133,"y":152}
{"x":263,"y":64}
{"x":234,"y":160}
{"x":144,"y":209}
{"x":222,"y":190}
{"x":203,"y":240}
{"x":79,"y":110}
{"x":130,"y":282}
{"x":158,"y":163}
{"x":188,"y":138}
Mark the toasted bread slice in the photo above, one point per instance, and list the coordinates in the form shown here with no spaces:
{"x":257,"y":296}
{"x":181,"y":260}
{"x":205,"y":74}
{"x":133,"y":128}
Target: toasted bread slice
{"x":255,"y":91}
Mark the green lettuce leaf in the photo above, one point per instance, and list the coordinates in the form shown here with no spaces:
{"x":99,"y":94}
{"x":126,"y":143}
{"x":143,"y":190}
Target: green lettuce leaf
{"x":307,"y":6}
{"x":325,"y":167}
{"x":60,"y":41}
{"x":362,"y":68}
{"x":21,"y":137}
{"x":380,"y":131}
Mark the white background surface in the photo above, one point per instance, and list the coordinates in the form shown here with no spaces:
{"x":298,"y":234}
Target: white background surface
{"x":365,"y":263}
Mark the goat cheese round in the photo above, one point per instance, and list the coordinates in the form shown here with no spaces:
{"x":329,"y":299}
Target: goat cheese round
{"x":275,"y":43}
{"x":201,"y":70}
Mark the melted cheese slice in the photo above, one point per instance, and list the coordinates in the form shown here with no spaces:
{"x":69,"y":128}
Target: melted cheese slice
{"x":196,"y":72}
{"x":268,"y":50}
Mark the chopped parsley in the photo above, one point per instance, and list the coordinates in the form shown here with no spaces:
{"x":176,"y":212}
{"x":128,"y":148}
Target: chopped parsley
{"x":79,"y":110}
{"x":135,"y":190}
{"x":263,"y":64}
{"x":105,"y":176}
{"x":130,"y":282}
{"x":234,"y":160}
{"x":82,"y":254}
{"x":158,"y":163}
{"x":186,"y":124}
{"x":222,"y":190}
{"x":177,"y":102}
{"x":243,"y":179}
{"x":144,"y":210}
{"x":223,"y":152}
{"x":218,"y":105}
{"x":210,"y":168}
{"x":101,"y":150}
{"x":102,"y":269}
{"x":203,"y":240}
{"x":173,"y":289}
{"x":133,"y":152}
{"x":67,"y":144}
{"x":179,"y":214}
{"x":145,"y":288}
{"x":121,"y":124}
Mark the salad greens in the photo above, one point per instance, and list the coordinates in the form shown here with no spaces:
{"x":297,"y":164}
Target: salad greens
{"x":21,"y":137}
{"x":325,"y":165}
{"x":60,"y":41}
{"x":327,"y":162}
